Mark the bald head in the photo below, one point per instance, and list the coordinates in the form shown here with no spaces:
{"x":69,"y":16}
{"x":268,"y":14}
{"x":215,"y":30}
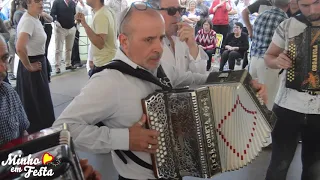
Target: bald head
{"x":131,"y":17}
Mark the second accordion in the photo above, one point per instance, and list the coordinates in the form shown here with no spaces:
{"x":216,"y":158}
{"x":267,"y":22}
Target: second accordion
{"x":210,"y":129}
{"x":303,"y":50}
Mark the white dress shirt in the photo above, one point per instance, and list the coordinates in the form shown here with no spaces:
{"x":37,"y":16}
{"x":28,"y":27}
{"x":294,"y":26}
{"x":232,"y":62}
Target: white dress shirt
{"x":114,"y":98}
{"x":182,"y":58}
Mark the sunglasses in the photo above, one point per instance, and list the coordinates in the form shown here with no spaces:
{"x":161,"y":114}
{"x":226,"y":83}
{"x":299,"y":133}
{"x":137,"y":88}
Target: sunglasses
{"x":173,"y":10}
{"x":139,"y":5}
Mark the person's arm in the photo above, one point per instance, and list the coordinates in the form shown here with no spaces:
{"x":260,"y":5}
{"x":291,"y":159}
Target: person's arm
{"x":228,"y":5}
{"x":99,"y":37}
{"x":275,"y":56}
{"x":4,"y":32}
{"x":186,"y":19}
{"x":245,"y":45}
{"x":80,"y":7}
{"x":54,"y":10}
{"x":26,"y":30}
{"x":95,"y":108}
{"x":47,"y":18}
{"x":213,"y":8}
{"x":252,"y":8}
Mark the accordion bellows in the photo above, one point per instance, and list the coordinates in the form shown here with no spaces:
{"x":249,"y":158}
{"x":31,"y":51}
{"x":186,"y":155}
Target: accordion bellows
{"x":207,"y":130}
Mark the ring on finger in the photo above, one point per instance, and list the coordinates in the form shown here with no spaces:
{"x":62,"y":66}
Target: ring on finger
{"x":149,"y":146}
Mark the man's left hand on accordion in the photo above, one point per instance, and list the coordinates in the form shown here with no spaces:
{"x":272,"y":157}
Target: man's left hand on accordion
{"x":262,"y":90}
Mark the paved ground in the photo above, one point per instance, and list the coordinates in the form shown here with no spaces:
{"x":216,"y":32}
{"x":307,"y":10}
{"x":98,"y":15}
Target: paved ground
{"x":66,"y":86}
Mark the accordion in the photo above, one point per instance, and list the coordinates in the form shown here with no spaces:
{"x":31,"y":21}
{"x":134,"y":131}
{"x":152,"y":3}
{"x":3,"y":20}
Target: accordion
{"x":48,"y":154}
{"x":303,"y":50}
{"x":210,"y":129}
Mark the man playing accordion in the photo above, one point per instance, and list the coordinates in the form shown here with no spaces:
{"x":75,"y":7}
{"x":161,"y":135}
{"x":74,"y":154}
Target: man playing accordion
{"x":114,"y":98}
{"x":294,"y":49}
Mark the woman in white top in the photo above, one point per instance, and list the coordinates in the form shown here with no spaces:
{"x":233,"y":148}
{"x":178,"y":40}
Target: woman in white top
{"x":192,"y":16}
{"x":32,"y":76}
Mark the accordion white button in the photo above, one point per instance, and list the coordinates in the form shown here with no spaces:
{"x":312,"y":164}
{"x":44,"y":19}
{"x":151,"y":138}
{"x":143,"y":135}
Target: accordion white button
{"x":157,"y":124}
{"x":162,"y":161}
{"x":158,"y":155}
{"x":164,"y":148}
{"x":162,"y":156}
{"x":160,"y":164}
{"x":161,"y":151}
{"x":165,"y":153}
{"x":150,"y":113}
{"x":163,"y":143}
{"x":161,"y":134}
{"x":152,"y":123}
{"x":162,"y":139}
{"x":151,"y":118}
{"x":157,"y":150}
{"x":155,"y":114}
{"x":161,"y":130}
{"x":160,"y":125}
{"x":157,"y":128}
{"x":159,"y":160}
{"x":155,"y":119}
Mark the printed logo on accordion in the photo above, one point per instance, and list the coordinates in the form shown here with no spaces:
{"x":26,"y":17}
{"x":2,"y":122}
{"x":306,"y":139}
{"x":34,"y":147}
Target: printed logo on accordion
{"x":32,"y":166}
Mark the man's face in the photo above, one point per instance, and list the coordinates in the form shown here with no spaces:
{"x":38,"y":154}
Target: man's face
{"x":144,"y":45}
{"x":170,"y":21}
{"x":310,"y":9}
{"x":4,"y":55}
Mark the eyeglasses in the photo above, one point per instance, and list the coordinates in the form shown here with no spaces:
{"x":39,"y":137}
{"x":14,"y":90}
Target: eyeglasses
{"x":173,"y":10}
{"x":139,"y":5}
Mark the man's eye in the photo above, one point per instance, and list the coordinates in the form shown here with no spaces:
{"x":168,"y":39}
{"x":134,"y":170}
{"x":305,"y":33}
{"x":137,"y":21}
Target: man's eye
{"x":148,"y":39}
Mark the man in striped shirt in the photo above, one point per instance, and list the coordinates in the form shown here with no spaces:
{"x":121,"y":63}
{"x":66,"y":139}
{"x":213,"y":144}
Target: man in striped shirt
{"x":263,"y":29}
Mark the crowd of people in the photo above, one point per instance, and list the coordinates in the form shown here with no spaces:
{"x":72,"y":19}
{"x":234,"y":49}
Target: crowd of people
{"x":169,"y":39}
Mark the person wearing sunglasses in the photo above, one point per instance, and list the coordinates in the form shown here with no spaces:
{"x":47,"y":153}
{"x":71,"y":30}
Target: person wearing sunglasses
{"x":180,"y":47}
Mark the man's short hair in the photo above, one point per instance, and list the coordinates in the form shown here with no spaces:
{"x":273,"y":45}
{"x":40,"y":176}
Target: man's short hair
{"x":280,"y":3}
{"x":125,"y":17}
{"x":3,"y":41}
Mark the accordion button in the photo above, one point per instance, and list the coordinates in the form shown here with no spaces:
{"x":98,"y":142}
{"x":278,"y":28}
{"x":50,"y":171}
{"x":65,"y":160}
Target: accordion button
{"x":157,"y":124}
{"x":160,"y":147}
{"x":161,"y":151}
{"x":155,"y":114}
{"x":155,"y":119}
{"x":160,"y":164}
{"x":163,"y":143}
{"x":159,"y":160}
{"x":164,"y":148}
{"x":157,"y":128}
{"x":150,"y":113}
{"x":165,"y":153}
{"x":162,"y":161}
{"x":162,"y":135}
{"x":160,"y":125}
{"x":162,"y":156}
{"x":152,"y":123}
{"x":161,"y":130}
{"x":162,"y":139}
{"x":151,"y":117}
{"x":158,"y":155}
{"x":157,"y":150}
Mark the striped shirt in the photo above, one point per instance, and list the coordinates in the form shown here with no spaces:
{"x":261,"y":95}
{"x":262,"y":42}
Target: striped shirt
{"x":13,"y":119}
{"x":263,"y":30}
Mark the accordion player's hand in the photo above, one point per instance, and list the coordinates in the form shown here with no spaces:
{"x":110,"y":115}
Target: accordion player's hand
{"x":141,"y":139}
{"x":262,"y":90}
{"x":283,"y":61}
{"x":88,"y":172}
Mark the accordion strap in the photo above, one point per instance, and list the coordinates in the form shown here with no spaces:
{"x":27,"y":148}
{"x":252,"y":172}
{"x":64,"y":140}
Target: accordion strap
{"x":161,"y":80}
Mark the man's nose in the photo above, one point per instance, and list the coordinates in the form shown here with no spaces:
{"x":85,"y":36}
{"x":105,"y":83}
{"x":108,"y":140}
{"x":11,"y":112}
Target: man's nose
{"x":314,"y":9}
{"x":158,"y":47}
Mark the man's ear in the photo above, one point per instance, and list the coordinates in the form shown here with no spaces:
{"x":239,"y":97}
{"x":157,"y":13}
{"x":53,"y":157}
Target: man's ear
{"x":124,"y":41}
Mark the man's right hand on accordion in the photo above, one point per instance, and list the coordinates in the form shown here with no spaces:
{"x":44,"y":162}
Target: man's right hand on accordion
{"x":141,"y":139}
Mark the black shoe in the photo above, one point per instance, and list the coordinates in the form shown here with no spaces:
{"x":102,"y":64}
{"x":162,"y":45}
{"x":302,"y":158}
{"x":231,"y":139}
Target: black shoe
{"x":58,"y":71}
{"x":238,"y":62}
{"x":71,"y":68}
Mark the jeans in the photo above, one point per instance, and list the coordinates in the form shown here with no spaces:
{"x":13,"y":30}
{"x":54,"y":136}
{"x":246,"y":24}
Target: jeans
{"x":289,"y":126}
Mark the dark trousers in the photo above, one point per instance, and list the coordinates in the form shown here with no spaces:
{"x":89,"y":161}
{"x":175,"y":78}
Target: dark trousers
{"x":289,"y":126}
{"x":209,"y":53}
{"x":75,"y":55}
{"x":221,"y":29}
{"x":231,"y":57}
{"x":48,"y":30}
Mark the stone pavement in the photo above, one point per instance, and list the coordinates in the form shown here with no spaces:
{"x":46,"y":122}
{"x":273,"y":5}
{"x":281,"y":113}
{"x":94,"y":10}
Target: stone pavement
{"x":66,"y":86}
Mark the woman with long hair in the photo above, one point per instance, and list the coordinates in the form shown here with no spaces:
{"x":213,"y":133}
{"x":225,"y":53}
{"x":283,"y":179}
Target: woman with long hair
{"x":32,"y":76}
